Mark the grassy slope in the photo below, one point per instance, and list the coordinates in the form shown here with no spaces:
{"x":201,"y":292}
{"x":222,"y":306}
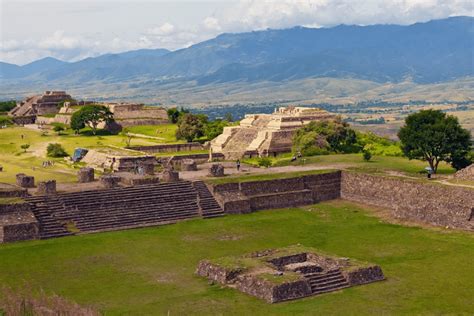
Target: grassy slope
{"x":10,"y":141}
{"x":266,"y":176}
{"x":151,"y":270}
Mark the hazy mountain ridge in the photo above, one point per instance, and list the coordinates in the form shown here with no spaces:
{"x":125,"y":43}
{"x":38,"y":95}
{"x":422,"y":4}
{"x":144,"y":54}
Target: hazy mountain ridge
{"x":424,"y":53}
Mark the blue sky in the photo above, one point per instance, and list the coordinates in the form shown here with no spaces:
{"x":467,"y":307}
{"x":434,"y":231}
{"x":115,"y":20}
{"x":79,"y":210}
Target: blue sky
{"x":75,"y":29}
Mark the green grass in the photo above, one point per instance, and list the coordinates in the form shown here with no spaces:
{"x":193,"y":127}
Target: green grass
{"x":152,"y":270}
{"x":181,"y":153}
{"x":165,"y":131}
{"x":265,"y":176}
{"x":376,"y":164}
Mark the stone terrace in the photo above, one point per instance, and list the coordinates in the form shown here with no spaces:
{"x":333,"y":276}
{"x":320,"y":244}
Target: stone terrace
{"x":122,"y":208}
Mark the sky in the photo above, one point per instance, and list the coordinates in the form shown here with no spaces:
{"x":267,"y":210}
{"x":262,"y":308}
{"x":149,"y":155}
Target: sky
{"x":72,"y":30}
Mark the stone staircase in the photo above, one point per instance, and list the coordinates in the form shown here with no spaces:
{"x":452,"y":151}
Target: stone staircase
{"x":208,"y":205}
{"x":45,"y":209}
{"x":122,"y":208}
{"x":236,"y":147}
{"x":326,"y":282}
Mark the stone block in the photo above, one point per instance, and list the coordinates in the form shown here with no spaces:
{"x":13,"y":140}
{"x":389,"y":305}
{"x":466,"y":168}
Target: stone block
{"x":110,"y":181}
{"x":188,"y":165}
{"x":85,"y":175}
{"x":47,"y":187}
{"x":24,"y":181}
{"x":216,"y":170}
{"x":170,"y":176}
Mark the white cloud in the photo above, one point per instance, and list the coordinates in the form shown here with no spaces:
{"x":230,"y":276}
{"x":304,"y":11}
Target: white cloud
{"x":174,"y":32}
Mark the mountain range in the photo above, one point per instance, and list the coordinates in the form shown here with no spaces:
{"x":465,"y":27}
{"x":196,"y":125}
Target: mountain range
{"x":424,"y":53}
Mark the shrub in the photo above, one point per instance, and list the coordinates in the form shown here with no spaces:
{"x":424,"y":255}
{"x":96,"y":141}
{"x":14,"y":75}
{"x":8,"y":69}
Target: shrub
{"x":366,"y":155}
{"x":25,"y":147}
{"x":56,"y":150}
{"x":264,"y":162}
{"x":5,"y":120}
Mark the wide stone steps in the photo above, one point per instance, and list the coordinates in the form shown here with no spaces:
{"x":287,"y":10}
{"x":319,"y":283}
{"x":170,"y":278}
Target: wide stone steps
{"x":326,"y":282}
{"x":123,"y":208}
{"x":207,"y":203}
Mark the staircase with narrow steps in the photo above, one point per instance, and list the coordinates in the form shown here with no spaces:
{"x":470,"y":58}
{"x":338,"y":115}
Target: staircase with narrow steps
{"x":326,"y":282}
{"x":207,"y":203}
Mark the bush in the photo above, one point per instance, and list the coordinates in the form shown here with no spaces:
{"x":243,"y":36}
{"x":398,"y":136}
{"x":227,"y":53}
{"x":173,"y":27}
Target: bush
{"x":56,"y":151}
{"x":5,"y":120}
{"x":366,"y":155}
{"x":25,"y":147}
{"x":264,"y":162}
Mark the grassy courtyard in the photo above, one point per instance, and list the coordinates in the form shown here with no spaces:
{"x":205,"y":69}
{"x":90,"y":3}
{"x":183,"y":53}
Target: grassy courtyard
{"x":151,"y":271}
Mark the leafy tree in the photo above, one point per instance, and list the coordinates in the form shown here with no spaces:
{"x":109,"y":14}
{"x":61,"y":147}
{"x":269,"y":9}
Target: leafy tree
{"x":91,"y":115}
{"x":433,"y":136}
{"x":25,"y":147}
{"x":190,"y":127}
{"x":58,"y":129}
{"x":56,"y":150}
{"x":264,"y":162}
{"x":174,"y":114}
{"x":125,"y":133}
{"x":461,"y":159}
{"x":5,"y":120}
{"x":366,"y":155}
{"x":6,"y":106}
{"x":324,"y":137}
{"x":228,"y":117}
{"x":214,"y":128}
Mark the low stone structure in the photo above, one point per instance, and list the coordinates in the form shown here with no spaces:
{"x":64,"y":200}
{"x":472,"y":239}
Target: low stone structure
{"x":170,"y":175}
{"x":9,"y":190}
{"x":46,"y":187}
{"x":266,"y":134}
{"x":165,"y":148}
{"x":110,"y":181}
{"x":188,"y":165}
{"x":24,"y":181}
{"x":216,"y":170}
{"x":17,"y":223}
{"x":250,"y":196}
{"x":435,"y":204}
{"x":109,"y":158}
{"x":294,"y":272}
{"x":466,"y":173}
{"x":85,"y":175}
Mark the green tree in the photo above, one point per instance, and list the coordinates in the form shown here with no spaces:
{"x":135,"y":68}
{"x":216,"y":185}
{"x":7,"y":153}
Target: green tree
{"x":91,"y":115}
{"x":125,"y":133}
{"x":190,"y":127}
{"x":433,"y":136}
{"x":58,"y":129}
{"x":324,"y":137}
{"x":6,"y":106}
{"x":174,"y":114}
{"x":56,"y":150}
{"x":366,"y":155}
{"x":25,"y":147}
{"x":214,"y":128}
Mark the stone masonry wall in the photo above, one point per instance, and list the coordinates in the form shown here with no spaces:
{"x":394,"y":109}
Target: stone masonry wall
{"x":434,"y":204}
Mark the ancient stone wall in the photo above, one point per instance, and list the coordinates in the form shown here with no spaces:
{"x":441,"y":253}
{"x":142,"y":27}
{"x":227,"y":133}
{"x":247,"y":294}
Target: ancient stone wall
{"x":17,"y":223}
{"x":165,"y":148}
{"x":364,"y":275}
{"x":434,"y":204}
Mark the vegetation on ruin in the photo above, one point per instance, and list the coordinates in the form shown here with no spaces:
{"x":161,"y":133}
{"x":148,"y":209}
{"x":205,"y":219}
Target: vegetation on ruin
{"x":152,"y":270}
{"x":434,"y":136}
{"x":91,"y":116}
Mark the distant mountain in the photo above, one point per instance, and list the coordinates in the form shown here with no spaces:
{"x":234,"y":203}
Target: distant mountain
{"x":435,"y":51}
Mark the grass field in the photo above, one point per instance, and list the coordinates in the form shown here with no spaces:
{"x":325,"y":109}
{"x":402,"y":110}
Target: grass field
{"x":376,"y":164}
{"x":165,"y":132}
{"x":151,"y":271}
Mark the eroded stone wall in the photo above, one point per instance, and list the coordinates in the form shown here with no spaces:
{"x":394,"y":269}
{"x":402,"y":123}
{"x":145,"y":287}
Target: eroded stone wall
{"x":434,"y":204}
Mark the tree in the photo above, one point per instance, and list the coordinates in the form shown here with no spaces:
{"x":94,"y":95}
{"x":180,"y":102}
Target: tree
{"x":174,"y":114}
{"x":190,"y":126}
{"x":25,"y":147}
{"x":366,"y":155}
{"x":55,"y":150}
{"x":214,"y":128}
{"x":433,"y":136}
{"x":127,"y":136}
{"x":91,"y":115}
{"x":58,"y":129}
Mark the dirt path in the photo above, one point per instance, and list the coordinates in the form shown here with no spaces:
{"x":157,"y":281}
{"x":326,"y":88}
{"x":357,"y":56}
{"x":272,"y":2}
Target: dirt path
{"x":230,"y":169}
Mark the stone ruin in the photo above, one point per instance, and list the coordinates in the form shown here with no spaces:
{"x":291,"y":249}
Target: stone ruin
{"x":266,"y":134}
{"x":110,"y":181}
{"x":24,"y":181}
{"x":188,"y":165}
{"x":46,"y":187}
{"x":170,"y":175}
{"x":216,"y":170}
{"x":294,"y":272}
{"x":466,"y":173}
{"x":44,"y":104}
{"x":85,"y":175}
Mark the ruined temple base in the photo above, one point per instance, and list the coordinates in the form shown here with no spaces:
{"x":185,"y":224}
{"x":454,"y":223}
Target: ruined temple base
{"x":289,"y":273}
